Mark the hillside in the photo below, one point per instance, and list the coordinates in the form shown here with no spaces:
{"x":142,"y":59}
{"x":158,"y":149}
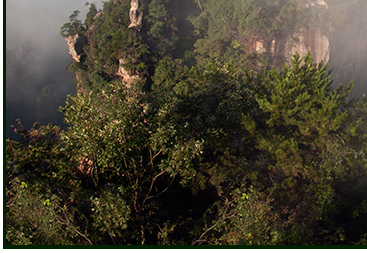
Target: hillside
{"x":205,"y":123}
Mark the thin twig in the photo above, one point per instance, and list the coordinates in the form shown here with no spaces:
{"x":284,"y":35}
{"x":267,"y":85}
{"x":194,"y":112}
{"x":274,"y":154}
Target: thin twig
{"x":142,"y":235}
{"x":67,"y":223}
{"x":200,"y":6}
{"x":151,"y":185}
{"x":149,"y":197}
{"x":206,"y":231}
{"x":223,"y":217}
{"x":83,"y":236}
{"x":157,"y":154}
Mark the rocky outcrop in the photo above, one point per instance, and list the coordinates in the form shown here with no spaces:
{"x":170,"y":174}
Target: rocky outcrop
{"x":253,"y":44}
{"x":306,"y":40}
{"x":309,"y":40}
{"x":316,"y":2}
{"x":127,"y":77}
{"x":135,"y":19}
{"x":75,"y":44}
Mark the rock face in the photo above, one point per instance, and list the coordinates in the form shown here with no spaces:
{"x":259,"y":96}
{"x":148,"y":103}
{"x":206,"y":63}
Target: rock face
{"x":304,"y":41}
{"x":314,"y":2}
{"x":253,"y":44}
{"x":136,"y":20}
{"x":127,"y":77}
{"x":309,"y":40}
{"x":75,"y":44}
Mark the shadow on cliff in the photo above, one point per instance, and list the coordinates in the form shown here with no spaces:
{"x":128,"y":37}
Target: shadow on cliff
{"x":348,"y":51}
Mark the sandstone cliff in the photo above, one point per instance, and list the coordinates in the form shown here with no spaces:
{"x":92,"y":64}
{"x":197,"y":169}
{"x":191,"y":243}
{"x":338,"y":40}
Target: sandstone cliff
{"x":75,"y":45}
{"x":303,"y":41}
{"x":309,"y":40}
{"x":77,"y":42}
{"x":135,"y":19}
{"x":127,"y":77}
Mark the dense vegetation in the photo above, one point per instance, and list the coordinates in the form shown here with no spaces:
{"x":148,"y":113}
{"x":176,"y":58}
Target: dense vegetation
{"x":209,"y":146}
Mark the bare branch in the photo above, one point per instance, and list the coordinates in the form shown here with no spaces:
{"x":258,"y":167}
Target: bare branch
{"x":127,"y":170}
{"x":224,"y":216}
{"x":151,"y":185}
{"x":200,"y":241}
{"x":206,"y":231}
{"x":149,"y":197}
{"x":142,"y":235}
{"x":82,"y":235}
{"x":200,"y":6}
{"x":157,"y":154}
{"x":67,"y":223}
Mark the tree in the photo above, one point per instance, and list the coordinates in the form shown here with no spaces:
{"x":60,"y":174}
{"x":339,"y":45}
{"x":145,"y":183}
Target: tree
{"x":91,"y":14}
{"x":162,"y":30}
{"x":211,"y":154}
{"x":74,"y":27}
{"x":39,"y":190}
{"x":304,"y":131}
{"x":121,"y":145}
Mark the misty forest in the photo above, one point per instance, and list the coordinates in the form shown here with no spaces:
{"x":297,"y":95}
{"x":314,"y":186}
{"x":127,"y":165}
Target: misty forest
{"x":198,"y":122}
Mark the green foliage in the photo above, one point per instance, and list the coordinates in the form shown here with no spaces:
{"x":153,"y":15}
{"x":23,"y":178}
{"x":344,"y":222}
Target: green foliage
{"x":272,"y":18}
{"x":32,"y":218}
{"x":74,"y":27}
{"x":162,"y":30}
{"x":207,"y":154}
{"x":110,"y":212}
{"x":37,"y":189}
{"x":227,"y":29}
{"x":269,"y":159}
{"x":91,"y":14}
{"x":303,"y":132}
{"x":119,"y":142}
{"x":208,"y":105}
{"x":302,"y":114}
{"x":36,"y":153}
{"x":252,"y":221}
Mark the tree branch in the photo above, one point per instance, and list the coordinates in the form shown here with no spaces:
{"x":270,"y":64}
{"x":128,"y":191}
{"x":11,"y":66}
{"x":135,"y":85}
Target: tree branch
{"x":151,"y":185}
{"x":149,"y":197}
{"x":206,"y":231}
{"x":67,"y":223}
{"x":200,"y":6}
{"x":226,"y":215}
{"x":151,"y":160}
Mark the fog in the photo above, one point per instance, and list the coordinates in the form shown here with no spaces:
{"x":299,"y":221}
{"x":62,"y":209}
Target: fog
{"x":348,"y":51}
{"x":37,"y":81}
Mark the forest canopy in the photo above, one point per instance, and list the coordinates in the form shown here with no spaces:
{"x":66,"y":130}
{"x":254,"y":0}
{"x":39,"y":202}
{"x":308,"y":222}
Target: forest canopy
{"x":178,"y":135}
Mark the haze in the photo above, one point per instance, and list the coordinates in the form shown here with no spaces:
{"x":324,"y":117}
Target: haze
{"x":37,"y":81}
